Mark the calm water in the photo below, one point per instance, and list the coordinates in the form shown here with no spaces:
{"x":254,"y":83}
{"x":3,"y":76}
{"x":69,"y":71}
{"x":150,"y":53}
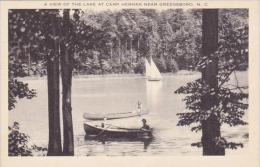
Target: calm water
{"x":114,"y":94}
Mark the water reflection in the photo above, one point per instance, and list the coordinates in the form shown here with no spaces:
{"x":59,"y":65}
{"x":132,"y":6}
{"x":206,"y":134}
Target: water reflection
{"x":152,"y":92}
{"x":106,"y":142}
{"x":147,"y":143}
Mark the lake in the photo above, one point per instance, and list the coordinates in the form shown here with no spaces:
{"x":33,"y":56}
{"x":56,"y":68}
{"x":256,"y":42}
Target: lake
{"x":121,"y":94}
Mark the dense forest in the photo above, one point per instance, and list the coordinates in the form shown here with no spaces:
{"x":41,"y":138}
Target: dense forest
{"x":118,"y":41}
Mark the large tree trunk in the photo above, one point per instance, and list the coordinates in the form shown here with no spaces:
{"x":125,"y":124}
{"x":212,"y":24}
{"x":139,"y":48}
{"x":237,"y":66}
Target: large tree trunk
{"x":66,"y":73}
{"x":211,"y":126}
{"x":54,"y":146}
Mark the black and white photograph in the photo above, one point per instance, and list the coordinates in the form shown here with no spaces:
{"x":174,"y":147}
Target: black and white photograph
{"x":128,"y":82}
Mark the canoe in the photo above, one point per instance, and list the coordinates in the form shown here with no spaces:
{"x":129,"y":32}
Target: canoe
{"x":111,"y":131}
{"x":109,"y":116}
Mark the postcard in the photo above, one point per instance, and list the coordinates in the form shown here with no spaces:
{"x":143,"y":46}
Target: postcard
{"x":130,"y":83}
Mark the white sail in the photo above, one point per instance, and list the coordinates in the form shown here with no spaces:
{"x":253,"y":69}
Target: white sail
{"x":155,"y":74}
{"x":147,"y":68}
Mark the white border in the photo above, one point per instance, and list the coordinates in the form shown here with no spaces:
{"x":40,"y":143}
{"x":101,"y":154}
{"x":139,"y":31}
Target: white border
{"x":251,"y":159}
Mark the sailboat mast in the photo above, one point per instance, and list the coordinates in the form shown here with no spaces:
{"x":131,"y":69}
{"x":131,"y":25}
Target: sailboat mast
{"x":147,"y":68}
{"x":150,"y":60}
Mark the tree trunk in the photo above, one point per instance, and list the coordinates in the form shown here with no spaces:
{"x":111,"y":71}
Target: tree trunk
{"x":119,"y":50}
{"x":131,"y":53}
{"x":66,"y":73}
{"x":138,"y":52}
{"x":54,"y":146}
{"x":111,"y":52}
{"x":211,"y":126}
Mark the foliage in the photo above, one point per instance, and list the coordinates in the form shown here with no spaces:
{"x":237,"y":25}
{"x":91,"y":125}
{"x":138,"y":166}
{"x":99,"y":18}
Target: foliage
{"x":18,"y":143}
{"x":121,"y":38}
{"x":17,"y":88}
{"x":231,"y":97}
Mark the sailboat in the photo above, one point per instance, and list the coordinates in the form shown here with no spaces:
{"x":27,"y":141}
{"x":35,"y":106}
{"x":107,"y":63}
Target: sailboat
{"x":151,"y":71}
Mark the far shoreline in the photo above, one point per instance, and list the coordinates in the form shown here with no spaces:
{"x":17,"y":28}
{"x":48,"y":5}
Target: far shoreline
{"x":100,"y":76}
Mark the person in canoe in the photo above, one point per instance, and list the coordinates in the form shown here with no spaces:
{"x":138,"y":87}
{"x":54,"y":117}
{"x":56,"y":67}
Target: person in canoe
{"x":145,"y":126}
